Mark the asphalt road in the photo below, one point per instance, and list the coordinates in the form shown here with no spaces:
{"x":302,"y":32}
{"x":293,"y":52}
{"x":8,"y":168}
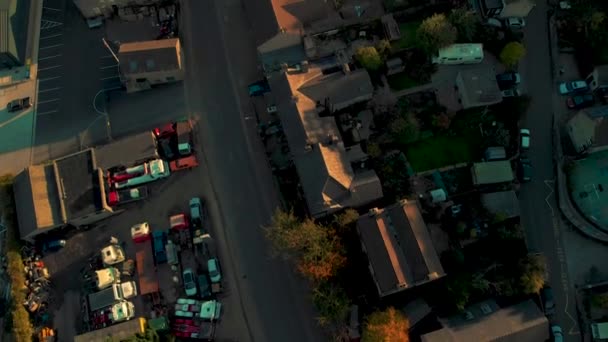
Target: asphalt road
{"x":274,"y":303}
{"x":540,"y":216}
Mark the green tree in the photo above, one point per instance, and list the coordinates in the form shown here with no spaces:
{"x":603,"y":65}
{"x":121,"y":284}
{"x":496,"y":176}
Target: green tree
{"x":23,"y":330}
{"x":460,"y":287}
{"x":316,"y":249}
{"x":331,"y":302}
{"x":384,"y":48}
{"x":346,"y":219}
{"x":512,"y":53}
{"x":436,"y":32}
{"x":389,"y":325}
{"x":533,"y":269}
{"x":150,"y":335}
{"x":369,"y":58}
{"x":465,"y":22}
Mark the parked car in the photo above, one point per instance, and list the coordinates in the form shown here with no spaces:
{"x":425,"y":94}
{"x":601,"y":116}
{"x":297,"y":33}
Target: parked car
{"x":548,"y":302}
{"x":524,"y":138}
{"x":214,"y":270}
{"x":513,"y":92}
{"x":164,"y":131}
{"x":189,"y":282}
{"x":494,"y":22}
{"x":166,"y":150}
{"x":19,"y":104}
{"x":573,"y":87}
{"x":525,"y":170}
{"x":580,"y":101}
{"x":558,"y":336}
{"x":51,"y":246}
{"x":196,"y":210}
{"x":204,"y":286}
{"x":515,"y":22}
{"x":508,"y":80}
{"x":259,"y":88}
{"x":159,"y":241}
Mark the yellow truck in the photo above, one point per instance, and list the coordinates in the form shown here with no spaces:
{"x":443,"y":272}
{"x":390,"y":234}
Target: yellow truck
{"x":115,"y":333}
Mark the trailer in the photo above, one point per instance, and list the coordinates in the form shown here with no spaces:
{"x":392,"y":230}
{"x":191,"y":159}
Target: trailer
{"x":112,"y":295}
{"x":117,"y":332}
{"x":120,"y":197}
{"x":146,"y":271}
{"x":153,"y":170}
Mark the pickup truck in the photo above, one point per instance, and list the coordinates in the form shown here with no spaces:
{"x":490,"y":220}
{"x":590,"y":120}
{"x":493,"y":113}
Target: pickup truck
{"x":185,"y":163}
{"x":119,"y":197}
{"x":119,"y":312}
{"x":112,"y":295}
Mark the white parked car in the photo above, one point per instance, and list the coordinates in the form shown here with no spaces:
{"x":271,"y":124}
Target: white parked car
{"x":571,"y":87}
{"x":558,"y":336}
{"x":525,"y":138}
{"x":515,"y":22}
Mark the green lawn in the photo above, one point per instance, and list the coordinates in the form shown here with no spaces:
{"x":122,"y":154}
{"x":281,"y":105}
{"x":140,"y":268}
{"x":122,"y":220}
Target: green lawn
{"x":401,"y":81}
{"x":440,"y":151}
{"x":408,"y":35}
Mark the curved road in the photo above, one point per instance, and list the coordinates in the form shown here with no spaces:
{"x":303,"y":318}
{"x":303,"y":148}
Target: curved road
{"x":264,"y":300}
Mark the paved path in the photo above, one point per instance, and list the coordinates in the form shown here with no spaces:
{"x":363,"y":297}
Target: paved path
{"x":540,"y":216}
{"x":273,"y":303}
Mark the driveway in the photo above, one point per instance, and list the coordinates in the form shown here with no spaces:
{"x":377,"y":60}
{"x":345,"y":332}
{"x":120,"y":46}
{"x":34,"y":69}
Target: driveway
{"x":540,"y":218}
{"x":273,"y":303}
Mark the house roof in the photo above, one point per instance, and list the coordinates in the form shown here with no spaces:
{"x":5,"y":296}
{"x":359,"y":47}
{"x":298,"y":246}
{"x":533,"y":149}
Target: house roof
{"x":327,"y":178}
{"x":478,"y":87}
{"x":14,"y":26}
{"x":523,"y":322}
{"x":37,"y":199}
{"x":341,"y":90}
{"x":502,"y":202}
{"x":416,"y":310}
{"x":492,"y":172}
{"x":399,"y":247}
{"x":51,"y":195}
{"x":284,"y":48}
{"x":581,"y":129}
{"x":602,"y":74}
{"x":126,"y":151}
{"x":149,"y":56}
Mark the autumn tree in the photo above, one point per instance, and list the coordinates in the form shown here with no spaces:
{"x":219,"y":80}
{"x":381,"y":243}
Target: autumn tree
{"x":346,"y":219}
{"x":369,"y":58}
{"x":389,"y":325}
{"x":316,"y":249}
{"x":384,"y":48}
{"x":331,"y":302}
{"x":533,"y":270}
{"x":512,"y":53}
{"x":465,"y":22}
{"x":436,"y":32}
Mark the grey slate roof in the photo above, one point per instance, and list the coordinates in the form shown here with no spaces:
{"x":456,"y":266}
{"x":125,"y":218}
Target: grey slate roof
{"x":523,"y":322}
{"x":502,"y":202}
{"x":478,"y":87}
{"x":399,"y":247}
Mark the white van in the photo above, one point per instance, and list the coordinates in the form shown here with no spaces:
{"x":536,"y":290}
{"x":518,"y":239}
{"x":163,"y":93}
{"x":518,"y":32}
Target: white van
{"x":460,"y":54}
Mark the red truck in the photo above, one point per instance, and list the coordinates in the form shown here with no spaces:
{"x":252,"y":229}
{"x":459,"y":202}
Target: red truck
{"x":119,"y":197}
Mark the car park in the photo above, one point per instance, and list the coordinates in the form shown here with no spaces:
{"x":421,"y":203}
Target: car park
{"x":525,"y":170}
{"x":513,"y":92}
{"x":546,"y":294}
{"x":213,"y":268}
{"x":524,"y":138}
{"x":508,"y":80}
{"x":580,"y":101}
{"x":573,"y":87}
{"x":189,"y":282}
{"x":515,"y":22}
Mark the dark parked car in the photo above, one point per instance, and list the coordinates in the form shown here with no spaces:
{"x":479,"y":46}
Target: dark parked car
{"x":525,"y":170}
{"x":548,"y":303}
{"x":508,"y":80}
{"x":259,"y":88}
{"x":580,"y":101}
{"x":17,"y":105}
{"x":159,"y":241}
{"x":204,"y":286}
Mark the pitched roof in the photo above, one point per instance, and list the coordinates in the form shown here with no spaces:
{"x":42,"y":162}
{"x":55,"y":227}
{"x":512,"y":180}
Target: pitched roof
{"x":502,"y":202}
{"x":284,"y":48}
{"x":478,"y":87}
{"x":523,"y":322}
{"x":37,"y":199}
{"x":399,"y":247}
{"x":341,"y":90}
{"x":338,"y":167}
{"x":14,"y":26}
{"x":149,"y":56}
{"x":492,"y":172}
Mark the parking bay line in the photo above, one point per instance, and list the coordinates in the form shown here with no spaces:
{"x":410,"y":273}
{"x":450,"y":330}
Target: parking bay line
{"x":49,"y":101}
{"x":108,"y":78}
{"x":49,"y":57}
{"x":50,"y":78}
{"x":51,"y":9}
{"x":47,"y":112}
{"x":52,"y":36}
{"x":46,"y":90}
{"x":50,"y":46}
{"x":109,"y":66}
{"x":51,"y":67}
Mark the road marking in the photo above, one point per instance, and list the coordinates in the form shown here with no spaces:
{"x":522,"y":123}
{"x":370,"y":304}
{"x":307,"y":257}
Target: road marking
{"x":49,"y":57}
{"x":108,"y":56}
{"x":48,"y":101}
{"x":51,"y":36}
{"x":47,"y":112}
{"x":49,"y":78}
{"x":108,"y":78}
{"x":46,"y":90}
{"x":109,"y":66}
{"x":50,"y":46}
{"x":51,"y":9}
{"x":47,"y":24}
{"x":547,"y":183}
{"x":51,"y":67}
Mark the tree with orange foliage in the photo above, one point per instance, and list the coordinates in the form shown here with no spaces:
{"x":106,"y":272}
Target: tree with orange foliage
{"x":389,"y":325}
{"x":316,"y":249}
